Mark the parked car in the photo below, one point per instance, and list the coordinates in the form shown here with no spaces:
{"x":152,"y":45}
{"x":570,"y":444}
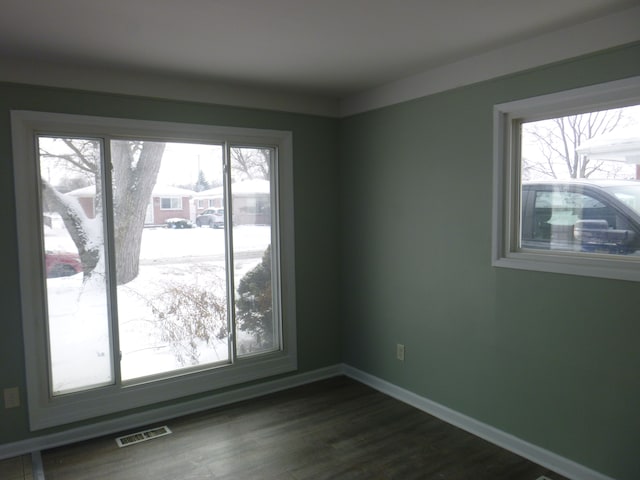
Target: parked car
{"x":212,"y":217}
{"x":178,"y":223}
{"x":582,"y":215}
{"x":62,"y":264}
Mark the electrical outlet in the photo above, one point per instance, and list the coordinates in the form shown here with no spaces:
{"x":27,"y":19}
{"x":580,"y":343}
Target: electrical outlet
{"x":11,"y":397}
{"x":400,"y":352}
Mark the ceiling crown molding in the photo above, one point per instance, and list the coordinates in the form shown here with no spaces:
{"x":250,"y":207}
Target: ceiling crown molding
{"x":145,"y":84}
{"x":605,"y":32}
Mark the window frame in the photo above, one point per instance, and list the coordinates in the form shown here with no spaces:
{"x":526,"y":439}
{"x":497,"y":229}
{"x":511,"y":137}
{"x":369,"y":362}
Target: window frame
{"x":47,"y":411}
{"x":507,"y":118}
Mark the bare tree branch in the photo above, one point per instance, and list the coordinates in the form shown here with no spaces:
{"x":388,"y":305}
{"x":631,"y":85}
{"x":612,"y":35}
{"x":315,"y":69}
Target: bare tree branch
{"x":250,"y":163}
{"x":558,"y":138}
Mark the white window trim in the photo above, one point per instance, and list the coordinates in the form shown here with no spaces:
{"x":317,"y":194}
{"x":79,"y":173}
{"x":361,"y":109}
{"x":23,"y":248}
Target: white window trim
{"x":45,"y":411}
{"x":506,"y":181}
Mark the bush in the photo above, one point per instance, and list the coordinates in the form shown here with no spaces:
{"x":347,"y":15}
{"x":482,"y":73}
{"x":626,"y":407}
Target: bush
{"x":254,"y":304}
{"x":188,"y":315}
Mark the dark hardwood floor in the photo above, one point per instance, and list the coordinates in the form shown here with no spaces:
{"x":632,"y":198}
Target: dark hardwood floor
{"x":333,"y":429}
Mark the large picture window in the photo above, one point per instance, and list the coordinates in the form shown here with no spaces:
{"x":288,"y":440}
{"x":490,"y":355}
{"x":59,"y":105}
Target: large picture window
{"x":129,"y":296}
{"x":567,"y":182}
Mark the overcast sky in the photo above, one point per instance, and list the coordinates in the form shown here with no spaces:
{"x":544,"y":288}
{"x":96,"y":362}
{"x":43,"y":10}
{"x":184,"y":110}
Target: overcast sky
{"x":182,"y":161}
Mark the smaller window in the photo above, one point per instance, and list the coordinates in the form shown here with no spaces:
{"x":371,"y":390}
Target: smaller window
{"x":567,"y":182}
{"x":171,"y":203}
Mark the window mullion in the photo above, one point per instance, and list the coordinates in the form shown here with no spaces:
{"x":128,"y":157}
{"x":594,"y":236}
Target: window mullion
{"x":110,"y":263}
{"x":228,"y":228}
{"x":46,"y":332}
{"x":276,"y":290}
{"x":515,"y":189}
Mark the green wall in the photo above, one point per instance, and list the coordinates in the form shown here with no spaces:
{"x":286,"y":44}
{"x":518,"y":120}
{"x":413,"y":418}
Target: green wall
{"x":316,"y":241}
{"x":552,"y":359}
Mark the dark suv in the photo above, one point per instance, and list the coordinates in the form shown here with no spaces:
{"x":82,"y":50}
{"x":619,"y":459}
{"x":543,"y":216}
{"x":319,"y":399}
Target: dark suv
{"x":584,"y":216}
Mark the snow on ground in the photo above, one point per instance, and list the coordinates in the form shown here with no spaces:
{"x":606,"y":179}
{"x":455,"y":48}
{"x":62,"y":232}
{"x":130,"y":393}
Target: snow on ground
{"x":193,"y":242}
{"x":78,"y":327}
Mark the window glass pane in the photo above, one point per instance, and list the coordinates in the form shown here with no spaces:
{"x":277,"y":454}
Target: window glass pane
{"x":251,"y":192}
{"x":74,"y":259}
{"x":171,"y":275}
{"x":580,"y":182}
{"x":171,"y":203}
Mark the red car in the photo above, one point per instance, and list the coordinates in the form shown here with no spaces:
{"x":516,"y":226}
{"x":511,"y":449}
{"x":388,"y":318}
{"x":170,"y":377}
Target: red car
{"x":62,"y":264}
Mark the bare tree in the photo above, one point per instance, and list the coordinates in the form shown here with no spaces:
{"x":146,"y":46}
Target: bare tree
{"x":250,"y":163}
{"x":556,"y":141}
{"x":135,"y":167}
{"x":81,"y":156}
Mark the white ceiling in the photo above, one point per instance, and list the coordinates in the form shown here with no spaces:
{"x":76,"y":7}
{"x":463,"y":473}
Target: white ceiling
{"x":328,"y":48}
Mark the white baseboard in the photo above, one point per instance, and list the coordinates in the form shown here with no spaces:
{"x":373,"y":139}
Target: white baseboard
{"x":545,"y":458}
{"x":161,"y":414}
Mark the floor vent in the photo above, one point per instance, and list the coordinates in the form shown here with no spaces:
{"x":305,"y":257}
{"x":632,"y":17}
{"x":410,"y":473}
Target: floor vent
{"x":138,"y":437}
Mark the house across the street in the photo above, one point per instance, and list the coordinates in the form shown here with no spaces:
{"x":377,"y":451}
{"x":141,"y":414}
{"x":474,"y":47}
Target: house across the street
{"x":166,"y":202}
{"x":251,"y":202}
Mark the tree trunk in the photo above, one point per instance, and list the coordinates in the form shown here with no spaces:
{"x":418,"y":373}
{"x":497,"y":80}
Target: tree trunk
{"x":133,"y":185}
{"x":135,"y":166}
{"x":76,"y":223}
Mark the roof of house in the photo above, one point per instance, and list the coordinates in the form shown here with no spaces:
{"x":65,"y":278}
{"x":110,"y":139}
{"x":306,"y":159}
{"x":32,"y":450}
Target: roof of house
{"x":158,"y":191}
{"x":248,"y":187}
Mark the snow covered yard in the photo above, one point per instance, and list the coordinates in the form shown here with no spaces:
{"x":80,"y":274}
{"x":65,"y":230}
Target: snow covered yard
{"x":78,"y":330}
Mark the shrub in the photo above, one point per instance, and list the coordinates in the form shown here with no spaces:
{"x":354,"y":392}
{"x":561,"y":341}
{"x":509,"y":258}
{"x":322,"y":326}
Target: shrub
{"x":254,"y":303}
{"x":188,"y":315}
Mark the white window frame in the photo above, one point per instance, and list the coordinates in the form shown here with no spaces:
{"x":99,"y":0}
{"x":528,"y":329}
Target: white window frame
{"x":171,"y":199}
{"x":507,"y":119}
{"x":46,"y":411}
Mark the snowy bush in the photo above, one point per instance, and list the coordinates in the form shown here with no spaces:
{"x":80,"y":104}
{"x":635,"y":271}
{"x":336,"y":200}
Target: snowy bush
{"x":188,"y":315}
